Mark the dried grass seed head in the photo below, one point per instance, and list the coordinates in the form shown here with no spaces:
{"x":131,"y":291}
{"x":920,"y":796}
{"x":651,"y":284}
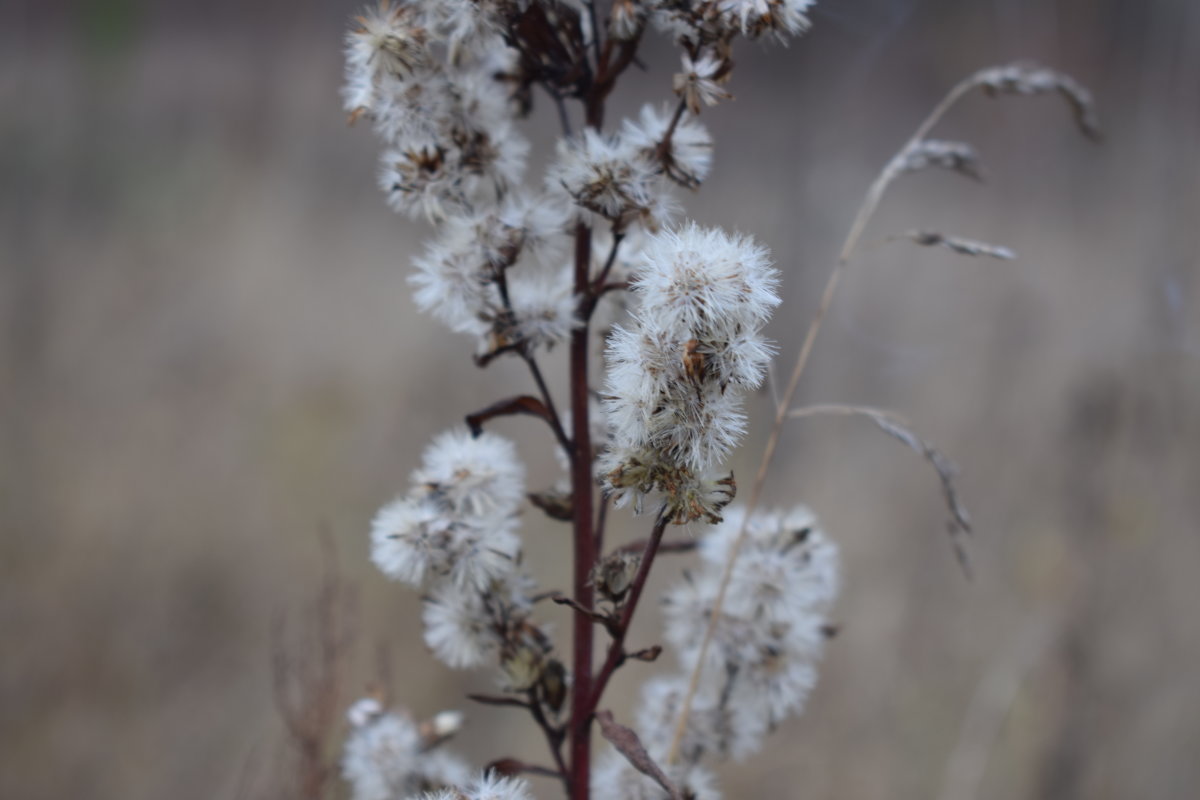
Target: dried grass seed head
{"x":958,"y":157}
{"x":1030,"y":79}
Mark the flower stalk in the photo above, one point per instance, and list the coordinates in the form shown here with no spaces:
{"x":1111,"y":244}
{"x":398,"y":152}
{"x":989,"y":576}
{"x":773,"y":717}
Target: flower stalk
{"x":599,"y":244}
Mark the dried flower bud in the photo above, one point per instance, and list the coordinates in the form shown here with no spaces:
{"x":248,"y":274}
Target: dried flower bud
{"x":613,"y":576}
{"x":555,"y":502}
{"x":523,"y":665}
{"x":440,"y":727}
{"x":553,"y":684}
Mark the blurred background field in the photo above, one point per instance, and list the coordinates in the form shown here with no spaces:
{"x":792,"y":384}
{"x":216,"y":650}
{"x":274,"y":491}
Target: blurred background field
{"x":210,"y":356}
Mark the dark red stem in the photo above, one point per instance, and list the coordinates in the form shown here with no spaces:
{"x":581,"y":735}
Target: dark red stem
{"x":582,"y":491}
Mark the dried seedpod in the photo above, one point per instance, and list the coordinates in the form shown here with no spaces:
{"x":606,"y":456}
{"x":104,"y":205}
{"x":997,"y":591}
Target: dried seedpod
{"x":556,"y":503}
{"x":523,"y":665}
{"x":552,"y":687}
{"x":614,"y":575}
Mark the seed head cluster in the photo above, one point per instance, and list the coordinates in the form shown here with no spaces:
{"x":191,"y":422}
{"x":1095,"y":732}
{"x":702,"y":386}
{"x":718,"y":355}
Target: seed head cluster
{"x":522,"y":264}
{"x":677,"y":370}
{"x":763,"y":664}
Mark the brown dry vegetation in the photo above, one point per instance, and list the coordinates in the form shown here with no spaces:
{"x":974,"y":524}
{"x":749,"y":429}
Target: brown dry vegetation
{"x":210,"y":356}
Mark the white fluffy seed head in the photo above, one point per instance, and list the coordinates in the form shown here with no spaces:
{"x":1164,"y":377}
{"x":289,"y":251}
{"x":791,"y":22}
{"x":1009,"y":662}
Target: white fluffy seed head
{"x":703,"y":282}
{"x":698,"y":84}
{"x":778,"y":18}
{"x":544,"y":306}
{"x":493,"y":786}
{"x":614,"y":778}
{"x":475,"y":476}
{"x":689,"y":155}
{"x":769,"y":636}
{"x":693,"y":24}
{"x":385,"y":44}
{"x":452,"y":280}
{"x":459,"y":628}
{"x":385,"y":758}
{"x":459,"y":520}
{"x":381,"y":757}
{"x":410,"y":540}
{"x":606,"y":176}
{"x":678,"y":367}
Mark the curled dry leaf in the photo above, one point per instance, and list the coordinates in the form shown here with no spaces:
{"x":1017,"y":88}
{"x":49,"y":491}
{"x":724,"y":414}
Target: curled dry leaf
{"x":524,"y":404}
{"x":627,"y":743}
{"x":1028,"y":79}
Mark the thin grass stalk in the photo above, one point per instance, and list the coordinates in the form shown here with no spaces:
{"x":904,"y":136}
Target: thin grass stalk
{"x":865,"y":212}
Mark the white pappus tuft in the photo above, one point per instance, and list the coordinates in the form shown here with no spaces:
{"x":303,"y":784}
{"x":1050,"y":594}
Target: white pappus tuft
{"x":386,"y":757}
{"x":699,"y":82}
{"x":458,"y":521}
{"x":719,"y":21}
{"x":486,"y":786}
{"x":779,"y":18}
{"x":706,"y":281}
{"x":459,"y":276}
{"x":609,"y":177}
{"x":476,"y":476}
{"x":544,"y":307}
{"x":761,"y":664}
{"x":386,"y":44}
{"x":459,"y":627}
{"x":688,"y":157}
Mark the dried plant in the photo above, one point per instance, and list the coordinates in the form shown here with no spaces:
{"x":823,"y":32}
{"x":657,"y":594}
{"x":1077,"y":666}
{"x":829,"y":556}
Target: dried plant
{"x":308,"y":673}
{"x":522,"y":267}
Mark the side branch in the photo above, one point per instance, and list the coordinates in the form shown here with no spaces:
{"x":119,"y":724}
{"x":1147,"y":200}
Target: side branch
{"x":616,"y":650}
{"x":548,"y":399}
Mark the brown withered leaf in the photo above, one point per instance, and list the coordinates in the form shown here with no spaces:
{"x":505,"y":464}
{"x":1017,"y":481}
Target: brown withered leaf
{"x":522,"y":404}
{"x":556,"y":504}
{"x":627,"y":743}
